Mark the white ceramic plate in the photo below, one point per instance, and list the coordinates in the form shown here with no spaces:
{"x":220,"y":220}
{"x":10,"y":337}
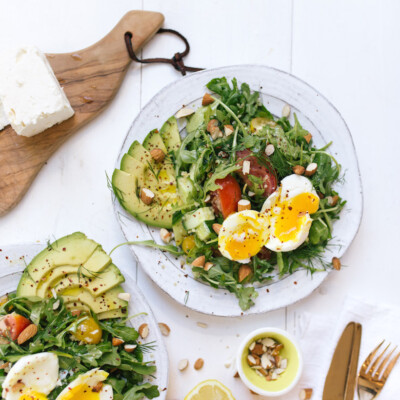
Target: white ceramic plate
{"x":317,"y":115}
{"x":13,"y":260}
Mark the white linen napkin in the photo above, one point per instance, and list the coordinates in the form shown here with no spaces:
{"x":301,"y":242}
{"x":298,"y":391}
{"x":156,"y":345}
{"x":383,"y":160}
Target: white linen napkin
{"x":318,"y":336}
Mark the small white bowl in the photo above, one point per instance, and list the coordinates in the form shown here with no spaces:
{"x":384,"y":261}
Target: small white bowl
{"x":287,"y":380}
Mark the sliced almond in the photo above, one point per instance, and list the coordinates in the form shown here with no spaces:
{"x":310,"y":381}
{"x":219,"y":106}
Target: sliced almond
{"x":332,"y":200}
{"x":308,"y":137}
{"x":265,"y":361}
{"x":311,"y":169}
{"x":147,"y":196}
{"x":143,"y":331}
{"x":268,"y":342}
{"x":252,"y":345}
{"x":207,"y":99}
{"x":250,"y":194}
{"x":258,"y":349}
{"x":283,"y":363}
{"x":184,"y":112}
{"x":28,"y":333}
{"x":228,"y":129}
{"x":199,"y":261}
{"x":244,"y":205}
{"x":244,"y":272}
{"x":246,"y":167}
{"x":298,"y":169}
{"x":117,"y":341}
{"x":165,"y":235}
{"x":56,"y":304}
{"x":217,"y":228}
{"x":336,"y":263}
{"x":208,"y":266}
{"x":286,"y":111}
{"x":124,"y":296}
{"x":164,"y":328}
{"x":269,"y":149}
{"x":157,"y":154}
{"x":305,"y":394}
{"x":183,"y":364}
{"x":202,"y":325}
{"x":129,"y":348}
{"x":198,"y":364}
{"x":253,"y":360}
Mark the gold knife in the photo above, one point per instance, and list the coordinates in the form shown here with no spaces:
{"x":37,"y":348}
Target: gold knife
{"x":340,"y":382}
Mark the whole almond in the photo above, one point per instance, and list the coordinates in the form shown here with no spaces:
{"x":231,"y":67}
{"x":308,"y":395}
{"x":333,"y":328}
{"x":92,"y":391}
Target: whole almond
{"x":311,"y":169}
{"x":198,"y":364}
{"x":305,"y":394}
{"x":207,"y":99}
{"x":117,"y":341}
{"x":336,"y":263}
{"x":298,"y":169}
{"x":244,"y":205}
{"x":143,"y":331}
{"x":129,"y":348}
{"x":28,"y":333}
{"x":164,"y":328}
{"x":157,"y":154}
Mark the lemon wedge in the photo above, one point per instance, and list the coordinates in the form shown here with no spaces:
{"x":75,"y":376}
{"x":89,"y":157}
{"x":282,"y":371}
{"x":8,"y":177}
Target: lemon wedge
{"x":210,"y":390}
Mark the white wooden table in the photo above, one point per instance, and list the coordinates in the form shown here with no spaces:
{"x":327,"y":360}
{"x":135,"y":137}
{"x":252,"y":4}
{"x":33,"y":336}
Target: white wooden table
{"x":348,"y":50}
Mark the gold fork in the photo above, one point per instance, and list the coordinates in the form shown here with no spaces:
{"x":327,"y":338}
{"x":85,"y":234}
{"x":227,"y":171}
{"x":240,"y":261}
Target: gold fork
{"x":372,"y":377}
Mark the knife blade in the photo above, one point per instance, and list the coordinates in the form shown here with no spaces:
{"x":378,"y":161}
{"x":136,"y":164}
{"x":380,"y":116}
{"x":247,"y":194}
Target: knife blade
{"x":341,"y":378}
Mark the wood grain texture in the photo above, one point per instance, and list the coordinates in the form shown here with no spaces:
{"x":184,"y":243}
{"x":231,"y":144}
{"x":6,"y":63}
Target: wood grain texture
{"x":90,"y":78}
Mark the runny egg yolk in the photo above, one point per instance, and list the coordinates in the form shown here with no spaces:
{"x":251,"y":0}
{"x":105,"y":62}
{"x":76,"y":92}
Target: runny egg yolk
{"x":33,"y":395}
{"x":80,"y":392}
{"x":246,"y":239}
{"x":290,"y":214}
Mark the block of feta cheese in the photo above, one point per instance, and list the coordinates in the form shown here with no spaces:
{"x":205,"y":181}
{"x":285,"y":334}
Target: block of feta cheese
{"x":3,"y":118}
{"x":32,"y":97}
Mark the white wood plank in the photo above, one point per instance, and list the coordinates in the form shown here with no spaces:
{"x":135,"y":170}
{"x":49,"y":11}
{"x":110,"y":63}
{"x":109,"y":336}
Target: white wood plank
{"x":348,"y":51}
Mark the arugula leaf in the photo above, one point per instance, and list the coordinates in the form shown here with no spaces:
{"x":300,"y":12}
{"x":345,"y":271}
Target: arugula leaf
{"x":140,"y":391}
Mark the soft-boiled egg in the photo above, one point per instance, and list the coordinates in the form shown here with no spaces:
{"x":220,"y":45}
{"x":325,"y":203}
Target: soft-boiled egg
{"x":243,"y":234}
{"x":32,"y":377}
{"x":88,"y":386}
{"x":288,"y":211}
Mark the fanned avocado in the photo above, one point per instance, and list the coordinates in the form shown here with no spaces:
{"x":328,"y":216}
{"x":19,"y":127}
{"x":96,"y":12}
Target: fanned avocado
{"x":73,"y":267}
{"x":169,"y":133}
{"x":74,"y":249}
{"x":140,"y":171}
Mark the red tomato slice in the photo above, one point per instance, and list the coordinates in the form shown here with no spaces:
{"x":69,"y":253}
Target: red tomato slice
{"x":259,"y":168}
{"x":12,"y":325}
{"x":225,"y":200}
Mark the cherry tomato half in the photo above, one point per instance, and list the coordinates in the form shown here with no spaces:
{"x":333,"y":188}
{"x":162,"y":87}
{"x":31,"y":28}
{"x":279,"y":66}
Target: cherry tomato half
{"x":225,"y":200}
{"x":260,"y":167}
{"x":12,"y":325}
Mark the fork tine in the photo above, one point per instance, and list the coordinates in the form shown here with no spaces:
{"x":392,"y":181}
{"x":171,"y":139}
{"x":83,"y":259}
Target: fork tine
{"x":383,"y":363}
{"x":377,"y":360}
{"x":389,"y":367}
{"x":370,"y":357}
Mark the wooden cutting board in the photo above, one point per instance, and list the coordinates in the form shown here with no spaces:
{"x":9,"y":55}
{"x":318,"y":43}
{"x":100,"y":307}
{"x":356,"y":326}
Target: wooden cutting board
{"x":90,"y":78}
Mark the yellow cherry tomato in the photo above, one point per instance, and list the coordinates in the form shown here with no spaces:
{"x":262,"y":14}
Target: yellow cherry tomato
{"x":88,"y":331}
{"x":256,"y":124}
{"x":188,"y":244}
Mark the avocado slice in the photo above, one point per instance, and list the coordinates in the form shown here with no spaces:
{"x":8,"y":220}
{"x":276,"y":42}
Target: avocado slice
{"x":120,"y":313}
{"x":106,"y":302}
{"x":138,"y":152}
{"x":95,"y":284}
{"x":169,"y":133}
{"x":153,"y":140}
{"x":26,"y":286}
{"x":74,"y":249}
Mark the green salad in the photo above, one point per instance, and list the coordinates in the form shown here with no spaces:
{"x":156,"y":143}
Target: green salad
{"x":245,"y":195}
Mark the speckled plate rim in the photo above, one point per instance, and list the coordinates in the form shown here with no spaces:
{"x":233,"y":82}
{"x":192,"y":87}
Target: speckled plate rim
{"x":280,"y":87}
{"x":12,"y":263}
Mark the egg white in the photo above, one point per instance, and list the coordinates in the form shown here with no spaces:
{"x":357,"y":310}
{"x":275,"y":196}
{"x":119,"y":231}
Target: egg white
{"x":232,"y":228}
{"x":38,"y":372}
{"x":291,"y":186}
